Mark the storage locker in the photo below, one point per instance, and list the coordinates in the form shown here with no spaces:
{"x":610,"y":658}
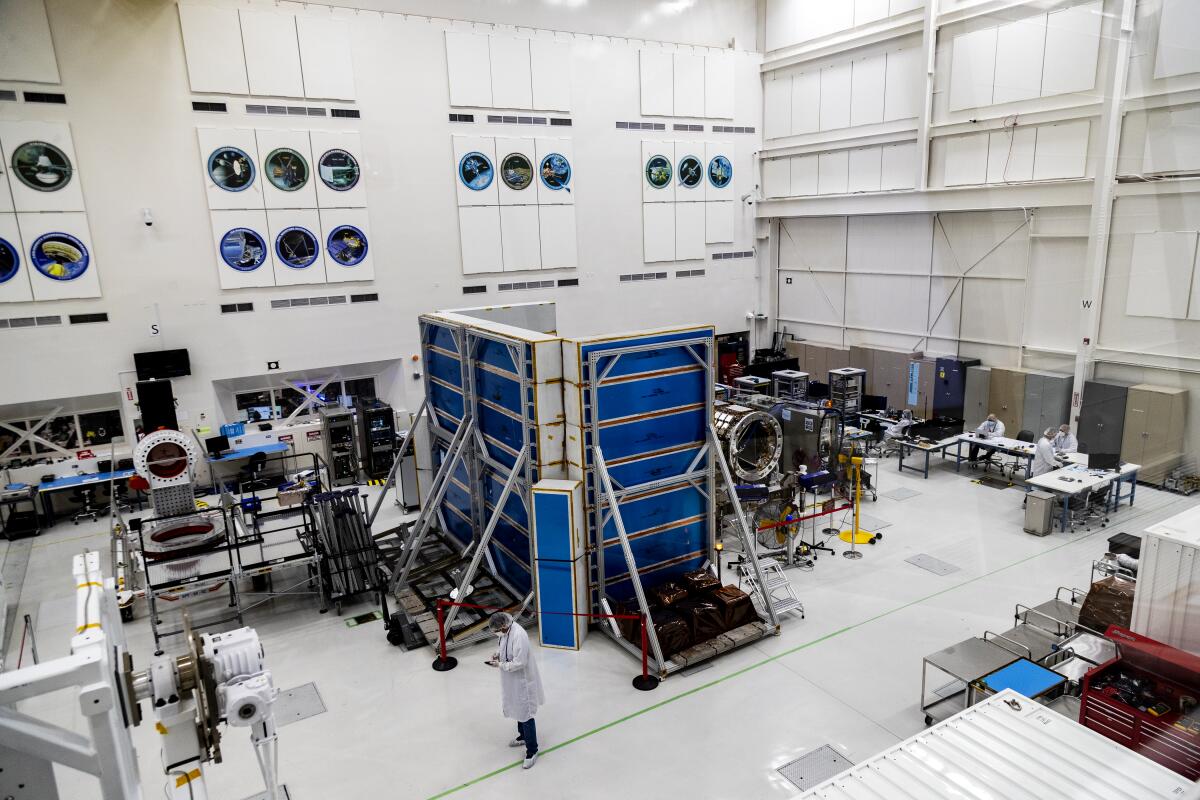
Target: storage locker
{"x":976,"y":396}
{"x":1153,"y":433}
{"x":1006,"y":399}
{"x":1102,"y":417}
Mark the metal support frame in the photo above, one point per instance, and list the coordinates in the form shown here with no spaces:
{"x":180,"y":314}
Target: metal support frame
{"x":404,"y":448}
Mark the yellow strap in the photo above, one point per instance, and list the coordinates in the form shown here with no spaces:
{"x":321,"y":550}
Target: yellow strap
{"x":158,"y":726}
{"x":188,"y":778}
{"x":87,"y":627}
{"x":89,"y":583}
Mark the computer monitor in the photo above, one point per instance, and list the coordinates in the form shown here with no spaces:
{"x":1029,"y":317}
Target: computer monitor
{"x":818,"y":390}
{"x":216,"y":445}
{"x":874,"y":402}
{"x":124,"y":463}
{"x":1111,"y":461}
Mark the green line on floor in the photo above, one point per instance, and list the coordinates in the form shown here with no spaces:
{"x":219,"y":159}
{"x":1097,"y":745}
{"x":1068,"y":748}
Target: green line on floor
{"x":756,"y":665}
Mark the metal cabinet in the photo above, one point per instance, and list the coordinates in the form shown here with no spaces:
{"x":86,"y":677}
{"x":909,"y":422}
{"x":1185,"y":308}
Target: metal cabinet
{"x":976,"y":396}
{"x":1153,"y":434}
{"x":1102,"y":417}
{"x":1047,"y":402}
{"x":1006,"y":398}
{"x":949,"y":387}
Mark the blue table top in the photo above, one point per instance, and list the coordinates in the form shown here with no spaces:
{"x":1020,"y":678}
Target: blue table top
{"x":81,"y":480}
{"x":246,"y":452}
{"x":1024,"y":676}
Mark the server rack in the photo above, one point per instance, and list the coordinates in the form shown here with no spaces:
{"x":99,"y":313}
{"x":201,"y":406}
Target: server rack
{"x":337,"y":428}
{"x":377,"y":427}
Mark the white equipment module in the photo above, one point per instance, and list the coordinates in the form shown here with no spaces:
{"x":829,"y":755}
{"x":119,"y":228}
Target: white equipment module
{"x":1166,"y":602}
{"x":1007,"y":747}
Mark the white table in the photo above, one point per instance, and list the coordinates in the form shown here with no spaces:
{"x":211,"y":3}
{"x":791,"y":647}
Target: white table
{"x":1076,"y":478}
{"x":995,"y":444}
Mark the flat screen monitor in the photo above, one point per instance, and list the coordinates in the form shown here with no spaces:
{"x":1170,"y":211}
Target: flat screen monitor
{"x":874,"y":402}
{"x":162,"y":364}
{"x":1104,"y":461}
{"x":216,"y":445}
{"x":818,"y":390}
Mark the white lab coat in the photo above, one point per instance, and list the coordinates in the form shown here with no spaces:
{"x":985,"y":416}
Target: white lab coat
{"x":520,"y":684}
{"x":991,"y":429}
{"x":1043,"y":458}
{"x":1065,"y":442}
{"x":897,"y":429}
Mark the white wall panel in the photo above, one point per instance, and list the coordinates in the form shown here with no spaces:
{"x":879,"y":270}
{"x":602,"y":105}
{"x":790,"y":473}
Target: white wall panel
{"x":54,"y":258}
{"x":325,"y":57}
{"x":546,"y":193}
{"x":835,"y":96}
{"x":904,"y":84}
{"x":520,"y":238}
{"x":14,"y":263}
{"x":349,"y":256}
{"x":1019,"y":49}
{"x":900,"y":6}
{"x":812,"y":296}
{"x":244,"y":260}
{"x":212,"y":46}
{"x":719,"y":85}
{"x":1010,"y":155}
{"x":1178,"y":51}
{"x":216,"y":153}
{"x":1172,"y":140}
{"x":485,"y":145}
{"x":783,"y":23}
{"x":993,"y":310}
{"x":1061,"y":150}
{"x":803,"y":179}
{"x":899,"y":166}
{"x":1055,"y":271}
{"x":1072,"y":48}
{"x":290,"y":248}
{"x":512,"y":83}
{"x":516,"y":146}
{"x":550,"y":72}
{"x":338,"y":162}
{"x":469,"y":65}
{"x":26,"y":49}
{"x":982,"y":244}
{"x":658,"y":232}
{"x":833,"y":172}
{"x":688,"y":85}
{"x":972,"y":69}
{"x":69,"y":195}
{"x":864,"y":170}
{"x":689,"y":231}
{"x":285,"y":161}
{"x":557,"y":230}
{"x":866,"y":93}
{"x":718,"y":221}
{"x":650,"y":192}
{"x":776,"y":177}
{"x":658,"y":88}
{"x":822,"y":18}
{"x":869,"y":10}
{"x":889,"y":302}
{"x":813,"y":242}
{"x":889,"y":243}
{"x":479,"y":238}
{"x":945,"y":303}
{"x":777,"y":108}
{"x":1161,"y":275}
{"x":713,"y":150}
{"x":966,"y":159}
{"x":272,"y":53}
{"x":806,"y":103}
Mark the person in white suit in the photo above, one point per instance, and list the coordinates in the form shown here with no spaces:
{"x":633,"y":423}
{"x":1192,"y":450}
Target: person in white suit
{"x":1043,"y":454}
{"x":1065,"y":441}
{"x":520,"y":684}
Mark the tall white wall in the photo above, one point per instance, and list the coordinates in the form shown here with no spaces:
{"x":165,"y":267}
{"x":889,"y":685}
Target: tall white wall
{"x":129,"y":106}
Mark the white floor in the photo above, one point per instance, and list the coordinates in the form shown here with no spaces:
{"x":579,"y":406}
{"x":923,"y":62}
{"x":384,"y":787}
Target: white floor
{"x":848,"y":675}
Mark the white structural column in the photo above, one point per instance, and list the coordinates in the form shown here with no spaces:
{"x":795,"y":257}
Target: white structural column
{"x":929,"y":50}
{"x":1100,"y":222}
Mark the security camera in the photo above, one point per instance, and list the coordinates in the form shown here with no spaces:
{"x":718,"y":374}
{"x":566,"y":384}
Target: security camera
{"x":748,"y":198}
{"x":147,"y":217}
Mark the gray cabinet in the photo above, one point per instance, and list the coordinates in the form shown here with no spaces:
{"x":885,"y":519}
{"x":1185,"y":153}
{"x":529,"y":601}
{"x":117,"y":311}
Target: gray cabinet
{"x":975,"y":396}
{"x":1047,"y":402}
{"x":1153,"y":434}
{"x":1102,"y":417}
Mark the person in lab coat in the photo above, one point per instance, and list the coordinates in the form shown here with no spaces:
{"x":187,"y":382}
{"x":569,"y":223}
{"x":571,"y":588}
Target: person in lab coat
{"x":990,"y":428}
{"x":1064,"y":441}
{"x":520,"y":684}
{"x":899,"y":428}
{"x":1043,"y":454}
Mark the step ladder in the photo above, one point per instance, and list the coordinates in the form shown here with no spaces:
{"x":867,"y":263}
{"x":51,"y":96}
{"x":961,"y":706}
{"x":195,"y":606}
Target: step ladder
{"x":774,"y":588}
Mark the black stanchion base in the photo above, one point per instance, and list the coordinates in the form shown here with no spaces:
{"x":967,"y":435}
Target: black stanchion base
{"x":444,"y":664}
{"x":645,"y":683}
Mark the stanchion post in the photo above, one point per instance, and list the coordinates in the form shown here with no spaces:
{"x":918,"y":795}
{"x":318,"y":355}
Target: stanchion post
{"x":443,"y":663}
{"x":644,"y":682}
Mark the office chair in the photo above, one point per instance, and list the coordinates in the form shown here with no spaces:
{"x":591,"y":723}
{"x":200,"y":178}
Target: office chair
{"x":84,"y":495}
{"x":250,"y":476}
{"x":1089,"y":506}
{"x":1022,"y":436}
{"x":122,"y":497}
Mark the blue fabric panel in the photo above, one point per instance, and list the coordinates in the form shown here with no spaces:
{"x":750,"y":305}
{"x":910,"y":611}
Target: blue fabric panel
{"x":657,"y":393}
{"x":458,"y":528}
{"x":514,"y":508}
{"x":655,"y":433}
{"x":447,"y":401}
{"x":501,"y":427}
{"x":648,"y":360}
{"x":552,"y":525}
{"x":517,"y":574}
{"x":444,"y":367}
{"x":496,"y":354}
{"x":623,"y":590}
{"x":501,"y":390}
{"x":655,"y":548}
{"x":556,"y":592}
{"x":439,"y":335}
{"x":655,"y":467}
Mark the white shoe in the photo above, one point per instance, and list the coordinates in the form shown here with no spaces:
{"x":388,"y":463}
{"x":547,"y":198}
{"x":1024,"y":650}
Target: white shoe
{"x":529,"y":762}
{"x":517,"y":742}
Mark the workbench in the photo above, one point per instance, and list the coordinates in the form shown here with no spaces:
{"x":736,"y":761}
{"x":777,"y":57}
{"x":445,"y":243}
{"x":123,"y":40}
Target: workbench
{"x":1076,"y":479}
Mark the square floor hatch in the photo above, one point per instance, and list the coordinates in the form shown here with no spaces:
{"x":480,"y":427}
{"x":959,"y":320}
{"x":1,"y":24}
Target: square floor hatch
{"x":901,"y":493}
{"x":816,"y":767}
{"x":299,"y":703}
{"x":934,"y":565}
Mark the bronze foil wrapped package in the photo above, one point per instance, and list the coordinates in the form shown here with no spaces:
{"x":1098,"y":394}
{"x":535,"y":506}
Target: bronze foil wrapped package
{"x":735,"y":606}
{"x":1108,"y":602}
{"x":669,"y":593}
{"x":705,"y":620}
{"x":700,"y":580}
{"x":674,"y":632}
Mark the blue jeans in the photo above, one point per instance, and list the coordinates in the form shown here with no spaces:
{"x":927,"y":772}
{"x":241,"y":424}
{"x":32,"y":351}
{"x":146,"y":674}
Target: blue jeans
{"x":527,"y":732}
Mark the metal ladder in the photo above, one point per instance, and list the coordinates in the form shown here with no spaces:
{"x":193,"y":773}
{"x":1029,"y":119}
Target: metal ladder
{"x":774,"y":588}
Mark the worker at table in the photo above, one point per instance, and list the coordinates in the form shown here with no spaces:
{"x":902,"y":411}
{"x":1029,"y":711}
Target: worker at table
{"x":1043,"y":454}
{"x":899,"y":428}
{"x":990,"y":428}
{"x":1065,"y":441}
